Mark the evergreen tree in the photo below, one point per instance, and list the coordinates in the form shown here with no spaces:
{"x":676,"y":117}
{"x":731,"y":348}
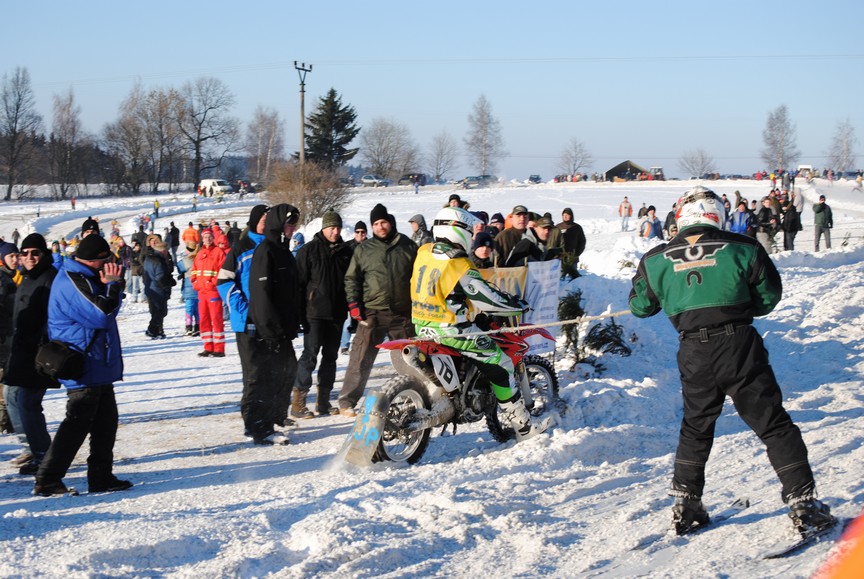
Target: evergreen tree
{"x":329,"y":131}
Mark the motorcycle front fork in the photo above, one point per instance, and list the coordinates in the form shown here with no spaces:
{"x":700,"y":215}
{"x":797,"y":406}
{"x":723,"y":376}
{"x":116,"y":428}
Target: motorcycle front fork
{"x":521,"y":377}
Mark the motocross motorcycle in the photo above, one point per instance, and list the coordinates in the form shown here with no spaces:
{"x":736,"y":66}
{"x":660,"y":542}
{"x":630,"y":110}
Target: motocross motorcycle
{"x":438,"y":386}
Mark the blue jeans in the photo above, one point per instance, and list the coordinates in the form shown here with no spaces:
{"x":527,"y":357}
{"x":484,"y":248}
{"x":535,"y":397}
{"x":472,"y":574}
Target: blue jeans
{"x":346,"y":336}
{"x":25,"y":410}
{"x":134,"y":288}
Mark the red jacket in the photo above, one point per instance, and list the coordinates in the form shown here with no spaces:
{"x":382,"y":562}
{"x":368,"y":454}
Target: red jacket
{"x":206,"y":267}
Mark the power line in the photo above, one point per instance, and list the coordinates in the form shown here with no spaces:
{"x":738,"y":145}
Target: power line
{"x":245,"y":68}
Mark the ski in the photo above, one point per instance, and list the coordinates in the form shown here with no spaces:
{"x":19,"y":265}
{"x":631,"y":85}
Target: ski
{"x":735,"y":507}
{"x":782,"y":549}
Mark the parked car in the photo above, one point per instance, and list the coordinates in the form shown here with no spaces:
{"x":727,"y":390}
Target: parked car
{"x":346,"y":181}
{"x":215,"y":187}
{"x":374,"y":181}
{"x":488,"y":180}
{"x":409,"y":178}
{"x":534,"y":179}
{"x":472,"y":182}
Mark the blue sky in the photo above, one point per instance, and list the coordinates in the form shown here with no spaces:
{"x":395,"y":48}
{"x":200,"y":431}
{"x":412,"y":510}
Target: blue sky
{"x":630,"y":80}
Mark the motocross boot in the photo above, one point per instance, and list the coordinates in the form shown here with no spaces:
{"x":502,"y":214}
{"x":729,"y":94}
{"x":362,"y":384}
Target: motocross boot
{"x":809,"y":515}
{"x":520,"y":419}
{"x":688,"y":514}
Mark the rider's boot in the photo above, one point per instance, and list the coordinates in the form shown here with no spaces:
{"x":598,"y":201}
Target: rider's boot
{"x":520,"y":419}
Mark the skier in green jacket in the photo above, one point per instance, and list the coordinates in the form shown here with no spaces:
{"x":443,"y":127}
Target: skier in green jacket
{"x":712,"y":283}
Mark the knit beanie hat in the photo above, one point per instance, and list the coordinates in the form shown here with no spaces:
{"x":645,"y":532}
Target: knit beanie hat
{"x":360,"y":226}
{"x":89,"y":224}
{"x":92,"y":248}
{"x":331,"y":219}
{"x":497,"y":218}
{"x":35,"y":241}
{"x":378,"y":212}
{"x":483,"y":239}
{"x":255,"y":216}
{"x":6,"y":249}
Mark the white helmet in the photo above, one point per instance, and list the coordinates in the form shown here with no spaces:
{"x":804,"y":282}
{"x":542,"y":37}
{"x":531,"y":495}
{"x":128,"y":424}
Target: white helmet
{"x":700,"y":206}
{"x":455,"y":226}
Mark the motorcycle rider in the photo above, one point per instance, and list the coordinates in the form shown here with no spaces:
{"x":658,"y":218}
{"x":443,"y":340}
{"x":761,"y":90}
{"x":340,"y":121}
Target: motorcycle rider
{"x":447,"y":294}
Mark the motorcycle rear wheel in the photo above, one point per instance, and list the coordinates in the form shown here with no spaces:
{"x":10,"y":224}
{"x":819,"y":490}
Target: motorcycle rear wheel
{"x":404,"y":397}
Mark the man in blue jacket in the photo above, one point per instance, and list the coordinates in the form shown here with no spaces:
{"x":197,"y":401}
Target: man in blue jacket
{"x":82,"y":312}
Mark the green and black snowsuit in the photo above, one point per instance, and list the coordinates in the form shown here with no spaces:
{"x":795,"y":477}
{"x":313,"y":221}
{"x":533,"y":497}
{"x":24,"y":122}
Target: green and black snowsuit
{"x":712,"y":283}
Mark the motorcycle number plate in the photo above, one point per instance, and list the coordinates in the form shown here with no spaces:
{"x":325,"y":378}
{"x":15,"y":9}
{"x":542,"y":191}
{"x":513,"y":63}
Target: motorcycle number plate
{"x":445,"y":370}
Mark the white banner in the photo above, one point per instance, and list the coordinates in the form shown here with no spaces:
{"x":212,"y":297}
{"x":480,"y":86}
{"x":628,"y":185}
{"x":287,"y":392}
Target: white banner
{"x":542,"y":286}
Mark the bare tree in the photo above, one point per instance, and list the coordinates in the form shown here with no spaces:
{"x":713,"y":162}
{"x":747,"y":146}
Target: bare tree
{"x":309,"y":187}
{"x":575,"y":158}
{"x":19,"y":124}
{"x":205,"y":125}
{"x":265,"y":142}
{"x":126,"y":141}
{"x":484,"y":141}
{"x":696,"y":163}
{"x":65,"y":145}
{"x":164,"y":141}
{"x":388,"y":149}
{"x":780,"y":150}
{"x":841,"y":155}
{"x":442,"y":156}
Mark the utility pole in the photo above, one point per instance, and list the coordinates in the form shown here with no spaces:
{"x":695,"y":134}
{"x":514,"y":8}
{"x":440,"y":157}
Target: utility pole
{"x":301,"y":72}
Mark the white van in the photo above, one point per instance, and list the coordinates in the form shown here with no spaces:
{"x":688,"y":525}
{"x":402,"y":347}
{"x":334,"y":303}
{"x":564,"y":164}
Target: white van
{"x":210,"y":187}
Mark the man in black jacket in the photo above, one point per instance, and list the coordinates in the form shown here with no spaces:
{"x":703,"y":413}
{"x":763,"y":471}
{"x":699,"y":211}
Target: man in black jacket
{"x":275,"y":311}
{"x":322,"y":264}
{"x":25,"y":387}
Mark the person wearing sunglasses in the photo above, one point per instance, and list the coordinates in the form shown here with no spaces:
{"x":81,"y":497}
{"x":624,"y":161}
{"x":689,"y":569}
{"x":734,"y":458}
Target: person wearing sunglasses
{"x":25,"y":387}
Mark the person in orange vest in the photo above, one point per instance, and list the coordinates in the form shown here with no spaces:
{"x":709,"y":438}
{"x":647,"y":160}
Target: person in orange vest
{"x":205,"y":269}
{"x":190,"y":236}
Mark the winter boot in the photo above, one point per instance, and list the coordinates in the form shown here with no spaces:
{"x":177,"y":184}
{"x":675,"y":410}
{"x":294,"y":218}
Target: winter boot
{"x":5,"y":421}
{"x":298,"y":405}
{"x":519,"y":419}
{"x":108,"y":485}
{"x":188,"y":329}
{"x":688,"y":514}
{"x":322,"y":405}
{"x":196,"y":330}
{"x":810,"y":515}
{"x":49,"y":489}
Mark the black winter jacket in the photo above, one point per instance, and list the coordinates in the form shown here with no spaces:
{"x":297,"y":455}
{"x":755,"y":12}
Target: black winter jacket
{"x":30,"y":319}
{"x":275,"y":301}
{"x":322,"y":266}
{"x":7,"y":300}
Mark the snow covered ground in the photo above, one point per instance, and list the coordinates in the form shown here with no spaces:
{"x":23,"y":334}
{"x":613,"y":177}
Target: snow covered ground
{"x":570,"y":503}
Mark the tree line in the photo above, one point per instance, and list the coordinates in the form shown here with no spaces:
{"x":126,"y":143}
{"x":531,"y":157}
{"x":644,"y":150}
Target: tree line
{"x":174,"y":136}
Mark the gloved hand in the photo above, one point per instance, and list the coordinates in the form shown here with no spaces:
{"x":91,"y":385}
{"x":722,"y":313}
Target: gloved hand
{"x":355,"y":310}
{"x":180,"y":276}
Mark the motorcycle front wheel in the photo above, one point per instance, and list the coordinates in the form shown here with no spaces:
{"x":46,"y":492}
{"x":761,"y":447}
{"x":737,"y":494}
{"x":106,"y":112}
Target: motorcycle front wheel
{"x":404,"y":397}
{"x":543,"y":382}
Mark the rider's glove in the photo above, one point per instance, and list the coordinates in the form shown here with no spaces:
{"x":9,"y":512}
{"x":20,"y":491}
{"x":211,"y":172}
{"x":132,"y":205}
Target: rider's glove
{"x":355,"y":310}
